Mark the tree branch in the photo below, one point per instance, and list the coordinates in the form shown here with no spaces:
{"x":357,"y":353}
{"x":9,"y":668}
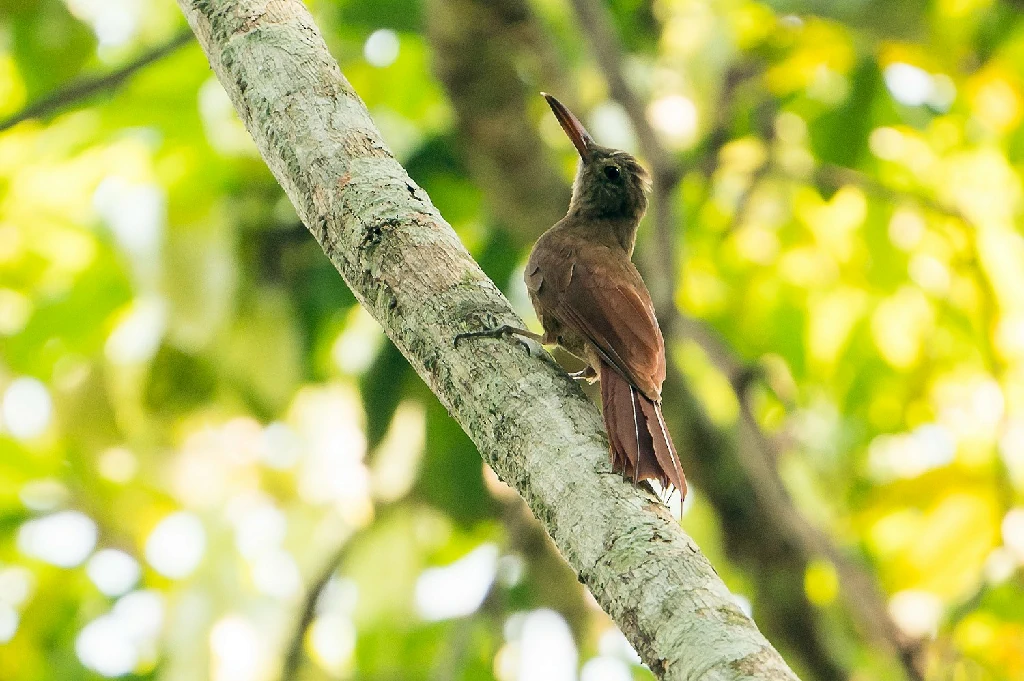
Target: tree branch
{"x":83,"y":88}
{"x":293,"y":655}
{"x":531,"y":423}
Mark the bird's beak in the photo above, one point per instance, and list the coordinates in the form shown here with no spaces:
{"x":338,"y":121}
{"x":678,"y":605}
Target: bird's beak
{"x":581,"y":139}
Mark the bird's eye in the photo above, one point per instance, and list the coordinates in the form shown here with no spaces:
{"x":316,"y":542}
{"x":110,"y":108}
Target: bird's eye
{"x":612,"y":173}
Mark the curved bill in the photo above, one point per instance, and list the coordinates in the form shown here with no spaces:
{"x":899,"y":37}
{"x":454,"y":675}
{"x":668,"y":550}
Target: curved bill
{"x":581,"y":139}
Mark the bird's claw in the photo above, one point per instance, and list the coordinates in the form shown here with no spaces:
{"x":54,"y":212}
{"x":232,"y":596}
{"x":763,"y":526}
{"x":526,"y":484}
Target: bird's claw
{"x":521,"y":335}
{"x":496,"y":332}
{"x":588,"y":375}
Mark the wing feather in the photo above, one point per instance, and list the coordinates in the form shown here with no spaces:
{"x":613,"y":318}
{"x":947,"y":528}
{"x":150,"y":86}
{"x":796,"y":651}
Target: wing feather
{"x":603,"y":298}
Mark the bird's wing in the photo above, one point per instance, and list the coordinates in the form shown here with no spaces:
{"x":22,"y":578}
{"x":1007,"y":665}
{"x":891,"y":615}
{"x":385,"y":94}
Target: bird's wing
{"x":599,"y":294}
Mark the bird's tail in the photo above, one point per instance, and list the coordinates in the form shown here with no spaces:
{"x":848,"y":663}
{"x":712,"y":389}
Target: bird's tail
{"x":641,"y":447}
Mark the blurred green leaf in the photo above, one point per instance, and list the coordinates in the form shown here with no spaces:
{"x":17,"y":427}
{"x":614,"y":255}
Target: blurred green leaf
{"x":51,"y":45}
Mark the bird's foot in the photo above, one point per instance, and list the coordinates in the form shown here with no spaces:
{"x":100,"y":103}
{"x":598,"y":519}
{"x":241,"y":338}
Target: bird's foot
{"x":501,"y":332}
{"x":588,"y":375}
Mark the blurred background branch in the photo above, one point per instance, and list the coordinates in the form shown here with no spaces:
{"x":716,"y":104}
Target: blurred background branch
{"x":307,"y":614}
{"x":79,"y":90}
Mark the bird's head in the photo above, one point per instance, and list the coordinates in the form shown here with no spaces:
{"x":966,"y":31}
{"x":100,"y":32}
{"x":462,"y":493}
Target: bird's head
{"x":609,"y":183}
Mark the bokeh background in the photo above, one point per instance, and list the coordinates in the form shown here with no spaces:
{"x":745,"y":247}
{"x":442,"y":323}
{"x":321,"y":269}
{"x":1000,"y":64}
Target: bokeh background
{"x":213,"y":465}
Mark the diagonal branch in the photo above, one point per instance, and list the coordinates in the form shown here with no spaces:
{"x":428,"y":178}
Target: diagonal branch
{"x":83,"y":88}
{"x":531,"y":423}
{"x":293,"y":654}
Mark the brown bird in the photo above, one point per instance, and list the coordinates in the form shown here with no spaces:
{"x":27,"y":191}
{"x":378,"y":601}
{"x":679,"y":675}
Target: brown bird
{"x":591,"y":301}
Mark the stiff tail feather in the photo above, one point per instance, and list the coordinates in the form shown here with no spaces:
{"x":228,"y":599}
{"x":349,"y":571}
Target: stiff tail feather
{"x":641,"y":448}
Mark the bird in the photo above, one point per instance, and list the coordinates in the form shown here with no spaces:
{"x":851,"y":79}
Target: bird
{"x":591,"y":300}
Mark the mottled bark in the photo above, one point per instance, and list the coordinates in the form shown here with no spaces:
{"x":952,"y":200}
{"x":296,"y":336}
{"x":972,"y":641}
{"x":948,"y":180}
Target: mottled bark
{"x":531,"y":423}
